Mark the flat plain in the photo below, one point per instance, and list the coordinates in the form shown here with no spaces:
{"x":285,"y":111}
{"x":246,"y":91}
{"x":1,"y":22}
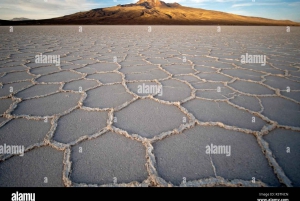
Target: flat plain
{"x":94,"y":119}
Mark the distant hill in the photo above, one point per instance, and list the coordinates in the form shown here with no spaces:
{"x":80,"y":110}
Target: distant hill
{"x":20,"y":19}
{"x":153,"y":12}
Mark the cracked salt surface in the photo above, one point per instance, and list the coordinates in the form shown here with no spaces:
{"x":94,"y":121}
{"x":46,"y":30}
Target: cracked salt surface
{"x":85,"y":123}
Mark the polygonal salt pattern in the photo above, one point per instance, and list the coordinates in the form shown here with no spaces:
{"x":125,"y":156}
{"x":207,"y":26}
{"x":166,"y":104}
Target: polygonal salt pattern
{"x":91,"y":121}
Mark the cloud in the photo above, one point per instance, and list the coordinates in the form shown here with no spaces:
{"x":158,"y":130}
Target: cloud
{"x":296,"y":3}
{"x":41,"y":9}
{"x":47,"y":5}
{"x":256,"y":4}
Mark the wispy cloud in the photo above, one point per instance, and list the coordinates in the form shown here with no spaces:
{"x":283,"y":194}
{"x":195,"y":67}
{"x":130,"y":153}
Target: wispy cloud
{"x":40,"y":9}
{"x":297,"y":3}
{"x":256,"y":4}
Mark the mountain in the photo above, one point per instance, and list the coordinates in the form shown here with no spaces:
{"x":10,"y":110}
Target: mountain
{"x":153,"y":12}
{"x":20,"y":19}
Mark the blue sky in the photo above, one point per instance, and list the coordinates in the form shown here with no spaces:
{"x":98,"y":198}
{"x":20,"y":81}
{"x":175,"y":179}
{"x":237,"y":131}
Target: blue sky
{"x":43,"y":9}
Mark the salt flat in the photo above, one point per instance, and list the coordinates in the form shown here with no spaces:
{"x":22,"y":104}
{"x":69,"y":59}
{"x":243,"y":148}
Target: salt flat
{"x":140,"y":106}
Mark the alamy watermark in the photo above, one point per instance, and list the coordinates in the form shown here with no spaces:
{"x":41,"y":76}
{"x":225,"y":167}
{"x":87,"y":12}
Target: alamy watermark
{"x":23,"y":196}
{"x":150,"y":89}
{"x":47,"y":59}
{"x":12,"y":149}
{"x":218,"y":149}
{"x":253,"y":59}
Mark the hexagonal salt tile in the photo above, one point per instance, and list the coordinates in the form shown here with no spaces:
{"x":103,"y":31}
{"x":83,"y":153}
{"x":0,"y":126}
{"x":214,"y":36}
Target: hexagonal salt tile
{"x":49,"y":105}
{"x":285,"y":146}
{"x":38,"y":90}
{"x":214,"y":77}
{"x":153,"y":74}
{"x":40,"y":167}
{"x":63,"y":76}
{"x":174,"y":90}
{"x":149,"y":118}
{"x":189,"y":155}
{"x":23,"y":132}
{"x":14,"y":77}
{"x":283,"y":111}
{"x":205,"y":110}
{"x":107,"y":96}
{"x":281,"y":83}
{"x":243,"y":74}
{"x":250,"y":87}
{"x":111,"y":155}
{"x":84,"y":84}
{"x":248,"y":102}
{"x":106,"y":77}
{"x":79,"y":123}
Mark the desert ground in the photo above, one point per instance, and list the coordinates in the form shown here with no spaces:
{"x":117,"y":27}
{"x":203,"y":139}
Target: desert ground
{"x":149,"y":106}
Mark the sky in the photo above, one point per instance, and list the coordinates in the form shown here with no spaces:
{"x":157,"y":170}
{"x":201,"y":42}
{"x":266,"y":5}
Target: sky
{"x":44,"y":9}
